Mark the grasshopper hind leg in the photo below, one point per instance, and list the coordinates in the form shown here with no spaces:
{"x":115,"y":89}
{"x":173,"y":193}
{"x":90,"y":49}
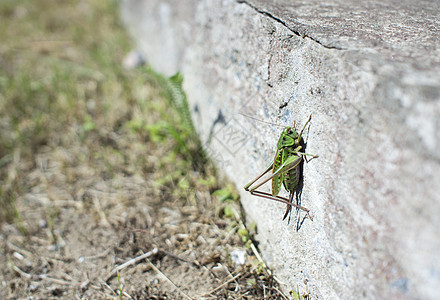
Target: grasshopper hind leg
{"x":280,"y":199}
{"x":289,"y":207}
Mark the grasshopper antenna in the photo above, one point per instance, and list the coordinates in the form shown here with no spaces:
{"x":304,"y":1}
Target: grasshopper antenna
{"x":256,"y":119}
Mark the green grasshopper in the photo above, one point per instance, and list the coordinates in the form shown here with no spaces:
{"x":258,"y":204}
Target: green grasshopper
{"x":285,"y":169}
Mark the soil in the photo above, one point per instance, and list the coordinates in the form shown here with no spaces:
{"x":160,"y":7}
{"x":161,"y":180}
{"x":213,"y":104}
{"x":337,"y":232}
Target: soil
{"x":80,"y":231}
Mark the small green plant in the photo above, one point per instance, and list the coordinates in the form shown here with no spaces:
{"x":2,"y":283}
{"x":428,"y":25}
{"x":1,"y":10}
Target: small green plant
{"x":225,"y":194}
{"x":245,"y":237}
{"x":119,"y":286}
{"x":229,"y":211}
{"x":88,"y":124}
{"x":298,"y":296}
{"x":181,"y":129}
{"x":51,"y":216}
{"x":295,"y":294}
{"x":8,"y":204}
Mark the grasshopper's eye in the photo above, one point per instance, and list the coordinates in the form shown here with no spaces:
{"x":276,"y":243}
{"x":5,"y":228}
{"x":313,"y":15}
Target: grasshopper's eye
{"x":293,"y":133}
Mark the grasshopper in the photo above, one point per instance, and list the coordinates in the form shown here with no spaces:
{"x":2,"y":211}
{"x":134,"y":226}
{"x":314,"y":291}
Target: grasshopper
{"x":285,"y":169}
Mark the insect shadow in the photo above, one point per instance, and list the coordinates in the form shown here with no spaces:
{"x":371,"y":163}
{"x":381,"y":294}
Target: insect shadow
{"x":299,"y":188}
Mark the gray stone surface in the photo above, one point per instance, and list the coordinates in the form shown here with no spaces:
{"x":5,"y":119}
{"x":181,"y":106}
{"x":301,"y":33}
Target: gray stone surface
{"x":370,"y":76}
{"x":404,"y":31}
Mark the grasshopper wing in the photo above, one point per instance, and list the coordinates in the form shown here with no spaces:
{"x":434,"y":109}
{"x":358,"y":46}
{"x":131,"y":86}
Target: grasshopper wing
{"x":280,"y":170}
{"x":278,"y":177}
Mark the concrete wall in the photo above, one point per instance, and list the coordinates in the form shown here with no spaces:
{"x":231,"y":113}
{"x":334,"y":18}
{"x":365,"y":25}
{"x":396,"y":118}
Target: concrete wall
{"x":370,"y":76}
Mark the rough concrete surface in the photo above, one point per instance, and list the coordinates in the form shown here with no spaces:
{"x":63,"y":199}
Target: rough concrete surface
{"x":370,"y":76}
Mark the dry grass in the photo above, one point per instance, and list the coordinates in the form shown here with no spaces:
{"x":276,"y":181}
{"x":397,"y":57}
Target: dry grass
{"x":104,"y":190}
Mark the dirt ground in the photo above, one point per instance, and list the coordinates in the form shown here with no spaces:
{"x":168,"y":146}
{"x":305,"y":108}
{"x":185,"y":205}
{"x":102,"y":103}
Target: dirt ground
{"x":104,"y":191}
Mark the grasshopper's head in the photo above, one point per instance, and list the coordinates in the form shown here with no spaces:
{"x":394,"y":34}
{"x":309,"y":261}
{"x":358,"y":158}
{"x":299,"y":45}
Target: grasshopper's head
{"x":287,"y":138}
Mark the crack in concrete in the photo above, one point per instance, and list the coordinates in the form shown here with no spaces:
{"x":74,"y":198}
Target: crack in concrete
{"x":269,"y":62}
{"x":296,"y":32}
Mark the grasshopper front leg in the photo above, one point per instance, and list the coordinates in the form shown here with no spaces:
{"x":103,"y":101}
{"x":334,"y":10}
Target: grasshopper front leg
{"x":247,"y":186}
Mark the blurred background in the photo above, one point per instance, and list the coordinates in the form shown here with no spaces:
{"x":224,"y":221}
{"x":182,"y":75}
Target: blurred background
{"x":100,"y":164}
